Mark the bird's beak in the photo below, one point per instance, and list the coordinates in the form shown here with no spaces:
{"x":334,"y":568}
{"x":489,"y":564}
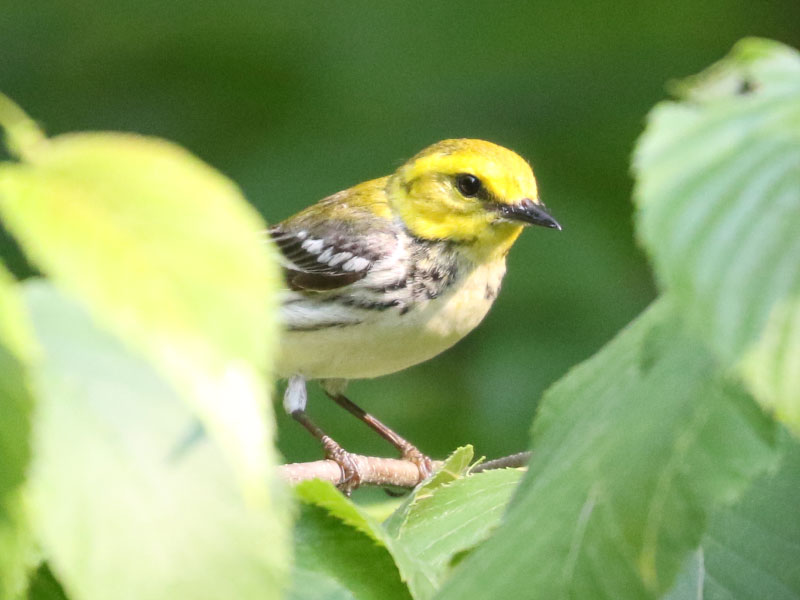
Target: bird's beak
{"x":528,"y":212}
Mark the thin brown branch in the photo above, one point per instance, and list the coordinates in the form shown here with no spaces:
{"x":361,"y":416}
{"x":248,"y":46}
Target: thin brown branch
{"x":520,"y":459}
{"x":381,"y":471}
{"x":374,"y":471}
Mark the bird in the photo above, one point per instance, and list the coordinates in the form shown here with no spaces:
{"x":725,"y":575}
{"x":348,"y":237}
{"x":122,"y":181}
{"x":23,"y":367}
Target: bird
{"x":393,"y":271}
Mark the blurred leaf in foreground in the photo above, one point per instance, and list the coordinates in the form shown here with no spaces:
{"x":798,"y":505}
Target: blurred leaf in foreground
{"x":329,"y":553}
{"x":449,"y":514}
{"x":718,"y":192}
{"x":17,"y":544}
{"x":164,"y":251}
{"x":43,"y":585}
{"x":15,"y":400}
{"x":123,"y":507}
{"x":16,"y":349}
{"x":752,"y":549}
{"x":324,"y":495}
{"x":632,"y":450}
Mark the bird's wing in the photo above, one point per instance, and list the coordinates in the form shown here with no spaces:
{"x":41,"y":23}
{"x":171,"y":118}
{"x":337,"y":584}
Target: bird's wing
{"x":332,"y":244}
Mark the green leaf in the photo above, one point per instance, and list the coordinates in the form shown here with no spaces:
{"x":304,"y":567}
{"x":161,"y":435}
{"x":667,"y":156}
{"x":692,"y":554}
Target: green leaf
{"x":16,"y":348}
{"x":44,"y":586}
{"x":17,"y":544}
{"x":689,"y":582}
{"x":15,"y":333}
{"x":770,"y":366}
{"x":718,"y":193}
{"x":310,"y":585}
{"x":751,"y":550}
{"x":128,"y":503}
{"x":22,"y":134}
{"x":324,"y":495}
{"x":456,"y":517}
{"x":632,"y":450}
{"x":455,"y":467}
{"x":417,"y":572}
{"x":15,"y":401}
{"x":165,"y":252}
{"x":327,"y":547}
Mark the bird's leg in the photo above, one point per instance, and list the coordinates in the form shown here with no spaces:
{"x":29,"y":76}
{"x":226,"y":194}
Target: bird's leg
{"x":409,"y":452}
{"x":351,"y":477}
{"x":294,"y":401}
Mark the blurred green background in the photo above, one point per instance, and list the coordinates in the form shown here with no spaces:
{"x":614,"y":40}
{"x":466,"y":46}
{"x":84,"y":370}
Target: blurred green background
{"x":297,"y":100}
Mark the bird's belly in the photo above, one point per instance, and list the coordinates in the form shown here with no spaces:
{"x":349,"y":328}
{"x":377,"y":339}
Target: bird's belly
{"x":389,"y":341}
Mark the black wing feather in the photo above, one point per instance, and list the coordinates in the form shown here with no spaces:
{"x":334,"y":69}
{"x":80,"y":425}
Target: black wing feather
{"x":307,"y":272}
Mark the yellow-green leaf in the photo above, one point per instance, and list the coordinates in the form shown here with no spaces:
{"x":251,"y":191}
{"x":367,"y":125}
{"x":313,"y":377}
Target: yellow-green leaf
{"x":718,"y":193}
{"x":16,"y":404}
{"x":123,"y":505}
{"x":632,"y":451}
{"x":166,"y":253}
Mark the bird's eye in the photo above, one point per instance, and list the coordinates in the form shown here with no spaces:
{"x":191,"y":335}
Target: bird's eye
{"x":468,"y":185}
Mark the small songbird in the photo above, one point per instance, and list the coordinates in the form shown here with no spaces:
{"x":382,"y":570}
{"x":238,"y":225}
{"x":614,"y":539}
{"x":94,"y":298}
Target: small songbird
{"x":393,"y":271}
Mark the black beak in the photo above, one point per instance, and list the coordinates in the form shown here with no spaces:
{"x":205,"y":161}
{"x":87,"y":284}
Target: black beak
{"x":527,"y":211}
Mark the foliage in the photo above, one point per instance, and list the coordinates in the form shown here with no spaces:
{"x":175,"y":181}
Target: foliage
{"x":656,"y":471}
{"x":155,"y":270}
{"x":173,"y":330}
{"x":717,"y":190}
{"x":16,"y":347}
{"x":749,"y":550}
{"x":143,"y":488}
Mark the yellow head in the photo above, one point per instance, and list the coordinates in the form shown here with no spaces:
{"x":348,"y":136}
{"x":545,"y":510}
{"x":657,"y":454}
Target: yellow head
{"x":472,"y":192}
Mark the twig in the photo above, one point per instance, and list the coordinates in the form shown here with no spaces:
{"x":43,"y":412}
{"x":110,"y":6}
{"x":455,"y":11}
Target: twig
{"x":381,"y":471}
{"x":520,"y":459}
{"x":373,"y":470}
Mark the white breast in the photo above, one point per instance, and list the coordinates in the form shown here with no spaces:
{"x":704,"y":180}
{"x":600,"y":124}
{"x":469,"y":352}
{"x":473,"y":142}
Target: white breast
{"x":388,"y":341}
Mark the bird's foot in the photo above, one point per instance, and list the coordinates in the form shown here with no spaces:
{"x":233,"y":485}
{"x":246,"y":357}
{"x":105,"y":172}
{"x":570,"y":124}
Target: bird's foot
{"x":408,"y":451}
{"x":351,"y":476}
{"x":422,"y":461}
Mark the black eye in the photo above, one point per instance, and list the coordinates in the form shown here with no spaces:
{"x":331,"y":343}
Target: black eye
{"x":468,"y":185}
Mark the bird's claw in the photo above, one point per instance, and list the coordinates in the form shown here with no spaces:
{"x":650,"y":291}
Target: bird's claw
{"x":422,"y":461}
{"x":351,"y":476}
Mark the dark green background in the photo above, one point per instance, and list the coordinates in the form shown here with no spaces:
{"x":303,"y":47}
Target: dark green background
{"x":298,"y":100}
